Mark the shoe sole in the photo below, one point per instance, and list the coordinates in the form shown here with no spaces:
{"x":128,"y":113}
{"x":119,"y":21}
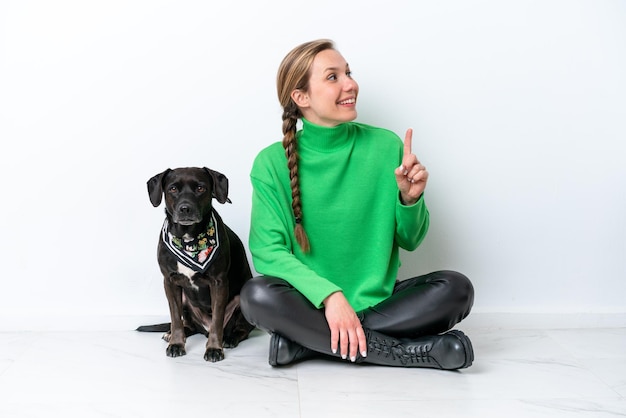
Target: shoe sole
{"x":273,"y":355}
{"x":467,"y":346}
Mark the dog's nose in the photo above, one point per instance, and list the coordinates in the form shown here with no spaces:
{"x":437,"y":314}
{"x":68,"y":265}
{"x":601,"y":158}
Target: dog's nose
{"x":183,"y":209}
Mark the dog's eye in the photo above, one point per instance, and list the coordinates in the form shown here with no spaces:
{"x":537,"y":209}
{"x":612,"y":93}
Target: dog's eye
{"x":200,"y":189}
{"x":173,"y":189}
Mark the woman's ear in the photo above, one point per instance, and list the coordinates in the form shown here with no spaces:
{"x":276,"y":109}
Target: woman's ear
{"x":300,"y":98}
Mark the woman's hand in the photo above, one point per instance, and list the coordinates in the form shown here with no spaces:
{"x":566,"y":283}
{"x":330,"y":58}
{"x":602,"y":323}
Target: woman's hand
{"x":411,"y":175}
{"x":346,"y":331}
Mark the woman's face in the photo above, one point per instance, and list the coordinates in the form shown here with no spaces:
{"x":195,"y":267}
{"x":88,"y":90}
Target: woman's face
{"x":331,"y":97}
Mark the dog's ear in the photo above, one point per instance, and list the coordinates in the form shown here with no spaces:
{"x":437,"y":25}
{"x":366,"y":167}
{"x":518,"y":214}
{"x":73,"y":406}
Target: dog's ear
{"x":220,"y":186}
{"x":155,"y":188}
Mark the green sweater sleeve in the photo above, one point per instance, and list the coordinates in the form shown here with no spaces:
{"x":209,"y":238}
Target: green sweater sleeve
{"x":413,"y":222}
{"x":272,"y":242}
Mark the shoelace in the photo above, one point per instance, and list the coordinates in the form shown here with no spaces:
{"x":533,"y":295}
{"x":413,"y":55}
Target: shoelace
{"x":397,"y":351}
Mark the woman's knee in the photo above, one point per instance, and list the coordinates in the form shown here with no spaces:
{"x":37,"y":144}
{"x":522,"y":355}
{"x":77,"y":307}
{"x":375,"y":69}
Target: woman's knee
{"x":461,"y":287}
{"x":254,"y":293}
{"x":259,"y":299}
{"x":452,"y":286}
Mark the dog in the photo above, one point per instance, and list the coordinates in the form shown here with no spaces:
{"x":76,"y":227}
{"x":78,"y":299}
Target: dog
{"x":203,"y":262}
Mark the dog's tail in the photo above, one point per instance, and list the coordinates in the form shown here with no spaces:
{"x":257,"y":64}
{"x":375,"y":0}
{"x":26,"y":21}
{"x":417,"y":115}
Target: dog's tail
{"x":166,"y":328}
{"x":154,"y":328}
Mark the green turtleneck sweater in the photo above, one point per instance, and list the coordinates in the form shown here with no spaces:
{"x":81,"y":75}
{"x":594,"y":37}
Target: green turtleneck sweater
{"x":351,"y":208}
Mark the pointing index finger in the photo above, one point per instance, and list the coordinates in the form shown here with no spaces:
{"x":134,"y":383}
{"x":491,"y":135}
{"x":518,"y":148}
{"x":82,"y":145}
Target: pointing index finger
{"x":408,"y":139}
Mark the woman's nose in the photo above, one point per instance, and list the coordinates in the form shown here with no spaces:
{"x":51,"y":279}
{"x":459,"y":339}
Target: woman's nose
{"x":350,"y":85}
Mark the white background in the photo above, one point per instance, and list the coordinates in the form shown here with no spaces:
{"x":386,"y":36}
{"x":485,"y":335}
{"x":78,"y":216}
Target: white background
{"x":518,"y":110}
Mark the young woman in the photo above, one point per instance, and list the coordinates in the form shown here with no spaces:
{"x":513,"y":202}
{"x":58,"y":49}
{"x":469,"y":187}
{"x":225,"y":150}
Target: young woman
{"x":332,"y":204}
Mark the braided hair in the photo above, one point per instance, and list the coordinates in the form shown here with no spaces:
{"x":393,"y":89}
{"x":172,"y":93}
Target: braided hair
{"x":293,"y":74}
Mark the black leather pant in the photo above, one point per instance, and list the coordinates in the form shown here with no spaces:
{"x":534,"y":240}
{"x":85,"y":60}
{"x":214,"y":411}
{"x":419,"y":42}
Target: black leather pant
{"x":424,"y":305}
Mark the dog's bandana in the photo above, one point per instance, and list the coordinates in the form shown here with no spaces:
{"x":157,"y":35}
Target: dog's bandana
{"x":195,"y":253}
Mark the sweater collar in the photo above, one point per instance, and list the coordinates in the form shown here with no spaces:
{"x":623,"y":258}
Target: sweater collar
{"x":322,"y":138}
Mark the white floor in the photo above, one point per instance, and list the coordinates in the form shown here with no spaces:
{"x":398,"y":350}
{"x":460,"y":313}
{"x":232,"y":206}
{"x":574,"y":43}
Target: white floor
{"x":122,"y":373}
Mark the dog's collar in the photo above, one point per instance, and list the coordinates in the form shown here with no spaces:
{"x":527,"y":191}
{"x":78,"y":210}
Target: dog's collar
{"x":195,"y":253}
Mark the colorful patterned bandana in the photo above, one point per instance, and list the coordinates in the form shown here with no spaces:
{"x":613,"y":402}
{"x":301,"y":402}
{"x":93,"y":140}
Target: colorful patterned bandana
{"x":195,"y":253}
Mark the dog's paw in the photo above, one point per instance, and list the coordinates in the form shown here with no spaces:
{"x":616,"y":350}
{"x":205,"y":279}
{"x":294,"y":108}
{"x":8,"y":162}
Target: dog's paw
{"x":230,"y":344}
{"x":166,"y":337}
{"x":214,"y":354}
{"x":232,"y":341}
{"x":233,"y":338}
{"x":175,"y":350}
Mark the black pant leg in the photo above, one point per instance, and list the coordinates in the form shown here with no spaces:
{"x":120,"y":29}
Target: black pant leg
{"x":424,"y":305}
{"x":273,"y":305}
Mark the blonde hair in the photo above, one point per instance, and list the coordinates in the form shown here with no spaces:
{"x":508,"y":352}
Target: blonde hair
{"x":293,"y":74}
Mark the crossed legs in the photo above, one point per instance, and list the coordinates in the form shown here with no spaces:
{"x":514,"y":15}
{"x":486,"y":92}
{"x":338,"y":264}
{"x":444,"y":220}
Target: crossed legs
{"x":409,"y":321}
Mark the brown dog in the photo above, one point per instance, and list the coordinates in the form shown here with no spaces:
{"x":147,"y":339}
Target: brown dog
{"x":203,"y":262}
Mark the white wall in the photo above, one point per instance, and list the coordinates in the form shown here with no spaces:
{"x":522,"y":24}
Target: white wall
{"x":518,"y":110}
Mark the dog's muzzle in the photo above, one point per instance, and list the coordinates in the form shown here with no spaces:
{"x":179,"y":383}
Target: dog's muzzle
{"x":186,"y":214}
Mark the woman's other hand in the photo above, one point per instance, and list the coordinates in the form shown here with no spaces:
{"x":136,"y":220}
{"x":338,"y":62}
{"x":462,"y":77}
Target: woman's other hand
{"x":346,"y":332}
